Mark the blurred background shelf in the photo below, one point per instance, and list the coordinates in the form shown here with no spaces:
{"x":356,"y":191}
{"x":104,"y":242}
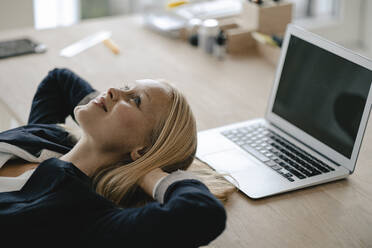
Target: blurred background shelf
{"x":342,"y":21}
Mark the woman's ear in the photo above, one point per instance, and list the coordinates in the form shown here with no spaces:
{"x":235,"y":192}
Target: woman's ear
{"x":137,"y":153}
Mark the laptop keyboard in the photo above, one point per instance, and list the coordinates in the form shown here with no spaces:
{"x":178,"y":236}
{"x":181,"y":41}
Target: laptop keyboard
{"x":277,"y":153}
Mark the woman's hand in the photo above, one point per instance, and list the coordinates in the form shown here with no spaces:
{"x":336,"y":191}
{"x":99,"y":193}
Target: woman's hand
{"x":147,"y":183}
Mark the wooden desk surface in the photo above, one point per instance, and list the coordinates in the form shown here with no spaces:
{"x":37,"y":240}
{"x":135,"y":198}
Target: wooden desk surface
{"x":337,"y":214}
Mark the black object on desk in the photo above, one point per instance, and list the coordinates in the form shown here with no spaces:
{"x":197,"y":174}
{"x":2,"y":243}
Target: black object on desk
{"x":17,"y":47}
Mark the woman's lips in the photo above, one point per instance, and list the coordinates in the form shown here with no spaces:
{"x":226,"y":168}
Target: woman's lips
{"x":100,"y":101}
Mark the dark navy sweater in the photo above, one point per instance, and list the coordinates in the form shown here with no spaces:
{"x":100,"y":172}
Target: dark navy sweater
{"x":58,"y":206}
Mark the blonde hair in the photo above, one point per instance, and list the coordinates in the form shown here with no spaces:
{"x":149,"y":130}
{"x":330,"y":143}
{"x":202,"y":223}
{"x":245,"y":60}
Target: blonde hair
{"x":174,"y":142}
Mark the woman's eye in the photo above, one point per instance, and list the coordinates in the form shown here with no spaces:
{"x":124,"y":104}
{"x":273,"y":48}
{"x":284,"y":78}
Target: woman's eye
{"x":137,"y":100}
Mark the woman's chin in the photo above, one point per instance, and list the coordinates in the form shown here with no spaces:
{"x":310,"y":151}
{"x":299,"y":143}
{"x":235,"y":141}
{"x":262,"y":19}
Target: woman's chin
{"x":77,"y":111}
{"x":83,"y":114}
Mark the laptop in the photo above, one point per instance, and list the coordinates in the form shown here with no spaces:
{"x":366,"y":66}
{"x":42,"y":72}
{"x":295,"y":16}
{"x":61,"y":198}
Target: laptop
{"x":313,"y":127}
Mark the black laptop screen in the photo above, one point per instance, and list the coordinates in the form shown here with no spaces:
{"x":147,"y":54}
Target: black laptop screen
{"x":322,"y":94}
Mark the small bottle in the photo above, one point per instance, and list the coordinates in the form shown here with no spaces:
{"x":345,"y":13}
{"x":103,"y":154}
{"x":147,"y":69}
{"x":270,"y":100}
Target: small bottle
{"x":219,"y":48}
{"x":207,"y":35}
{"x":192,"y":31}
{"x":193,"y":40}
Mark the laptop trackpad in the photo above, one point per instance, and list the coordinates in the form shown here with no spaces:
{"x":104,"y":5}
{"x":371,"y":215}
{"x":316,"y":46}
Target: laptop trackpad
{"x":230,"y":161}
{"x":251,"y":176}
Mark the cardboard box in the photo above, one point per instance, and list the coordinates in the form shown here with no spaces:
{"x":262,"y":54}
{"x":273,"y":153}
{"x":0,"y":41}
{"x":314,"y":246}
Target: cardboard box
{"x":270,"y":53}
{"x":239,"y":40}
{"x":268,"y":18}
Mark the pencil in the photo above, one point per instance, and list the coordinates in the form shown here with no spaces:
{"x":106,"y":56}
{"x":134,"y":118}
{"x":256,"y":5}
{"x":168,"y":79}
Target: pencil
{"x":264,"y":39}
{"x":176,"y":4}
{"x":113,"y":47}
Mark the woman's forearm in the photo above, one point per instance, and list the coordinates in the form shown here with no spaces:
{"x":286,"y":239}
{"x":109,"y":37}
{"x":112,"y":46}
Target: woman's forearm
{"x":57,"y":96}
{"x":149,"y":181}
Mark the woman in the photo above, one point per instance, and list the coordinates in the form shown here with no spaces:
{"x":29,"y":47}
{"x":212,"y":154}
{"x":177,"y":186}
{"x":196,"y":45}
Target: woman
{"x":133,"y":139}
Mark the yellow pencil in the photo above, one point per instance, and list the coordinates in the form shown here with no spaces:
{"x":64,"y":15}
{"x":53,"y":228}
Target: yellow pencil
{"x":263,"y":38}
{"x":113,"y":47}
{"x":176,"y":4}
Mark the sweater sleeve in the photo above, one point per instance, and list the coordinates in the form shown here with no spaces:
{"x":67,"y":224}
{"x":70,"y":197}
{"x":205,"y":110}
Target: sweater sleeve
{"x":189,"y":217}
{"x":57,"y":96}
{"x":162,"y":185}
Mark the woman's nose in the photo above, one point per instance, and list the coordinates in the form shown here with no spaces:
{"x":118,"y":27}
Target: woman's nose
{"x":113,"y":94}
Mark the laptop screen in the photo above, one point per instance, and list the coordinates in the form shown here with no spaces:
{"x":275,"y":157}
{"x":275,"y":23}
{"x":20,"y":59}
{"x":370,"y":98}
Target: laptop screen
{"x":322,"y":94}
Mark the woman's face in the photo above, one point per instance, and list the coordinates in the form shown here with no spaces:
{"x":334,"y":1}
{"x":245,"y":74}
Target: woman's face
{"x":120,"y":120}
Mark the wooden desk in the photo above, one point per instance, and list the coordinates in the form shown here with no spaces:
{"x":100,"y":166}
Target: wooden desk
{"x":337,"y":214}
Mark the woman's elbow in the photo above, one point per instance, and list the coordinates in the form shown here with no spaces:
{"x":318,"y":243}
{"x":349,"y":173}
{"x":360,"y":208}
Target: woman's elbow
{"x":215,"y":219}
{"x":208,"y":222}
